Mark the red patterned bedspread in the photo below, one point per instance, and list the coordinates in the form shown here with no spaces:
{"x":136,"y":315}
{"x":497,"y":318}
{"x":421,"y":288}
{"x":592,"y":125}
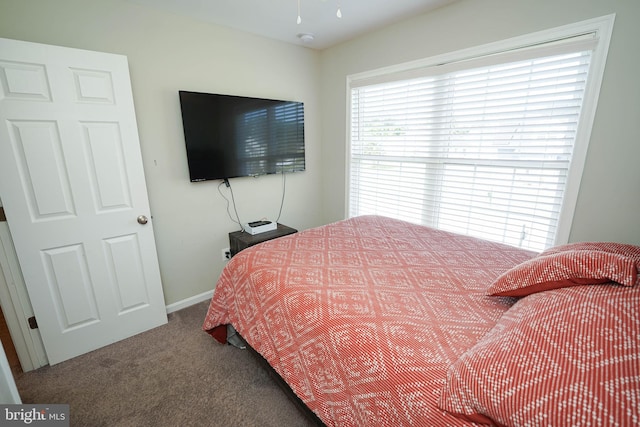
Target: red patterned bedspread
{"x":363,"y":317}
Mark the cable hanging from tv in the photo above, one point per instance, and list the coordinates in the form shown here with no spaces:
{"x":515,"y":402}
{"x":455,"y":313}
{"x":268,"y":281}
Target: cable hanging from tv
{"x":226,"y":182}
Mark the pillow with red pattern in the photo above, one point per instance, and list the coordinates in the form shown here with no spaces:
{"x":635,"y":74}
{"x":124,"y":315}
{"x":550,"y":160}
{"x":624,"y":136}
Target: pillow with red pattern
{"x":625,"y":249}
{"x":584,"y":263}
{"x":563,"y":357}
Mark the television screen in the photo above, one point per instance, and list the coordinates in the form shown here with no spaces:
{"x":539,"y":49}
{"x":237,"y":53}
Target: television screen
{"x":233,"y":136}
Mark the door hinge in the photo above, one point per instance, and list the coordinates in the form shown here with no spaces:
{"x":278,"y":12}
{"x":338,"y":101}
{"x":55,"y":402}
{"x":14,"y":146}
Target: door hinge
{"x":32,"y":322}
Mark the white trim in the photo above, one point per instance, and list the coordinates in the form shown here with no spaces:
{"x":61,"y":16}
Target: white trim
{"x":604,"y":28}
{"x":601,"y":28}
{"x":188,"y":302}
{"x":347,"y":157}
{"x":8,"y":390}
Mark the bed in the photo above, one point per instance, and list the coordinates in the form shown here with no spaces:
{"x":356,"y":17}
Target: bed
{"x":376,"y":321}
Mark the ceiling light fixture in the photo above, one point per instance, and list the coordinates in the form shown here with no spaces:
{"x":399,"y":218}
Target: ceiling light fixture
{"x":299,"y":19}
{"x":306,"y":37}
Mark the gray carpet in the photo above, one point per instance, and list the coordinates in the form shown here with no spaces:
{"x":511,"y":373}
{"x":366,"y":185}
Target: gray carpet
{"x":174,"y":375}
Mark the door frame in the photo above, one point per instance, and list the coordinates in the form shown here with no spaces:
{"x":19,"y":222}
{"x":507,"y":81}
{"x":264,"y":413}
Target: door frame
{"x":15,"y":304}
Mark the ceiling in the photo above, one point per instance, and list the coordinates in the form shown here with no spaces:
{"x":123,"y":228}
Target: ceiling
{"x":276,"y":19}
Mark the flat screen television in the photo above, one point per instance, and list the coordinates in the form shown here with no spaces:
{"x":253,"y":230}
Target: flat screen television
{"x":229,"y":136}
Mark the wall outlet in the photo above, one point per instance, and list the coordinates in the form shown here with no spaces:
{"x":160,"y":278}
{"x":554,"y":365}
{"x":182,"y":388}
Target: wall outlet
{"x":226,"y":254}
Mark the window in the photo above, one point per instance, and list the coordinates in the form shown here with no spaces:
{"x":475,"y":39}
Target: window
{"x":483,"y":146}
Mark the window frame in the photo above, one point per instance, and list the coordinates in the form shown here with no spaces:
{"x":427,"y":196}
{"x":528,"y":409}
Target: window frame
{"x":599,"y":28}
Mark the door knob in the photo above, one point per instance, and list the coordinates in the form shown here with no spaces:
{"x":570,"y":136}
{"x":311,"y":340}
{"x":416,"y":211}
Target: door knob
{"x":142,"y":219}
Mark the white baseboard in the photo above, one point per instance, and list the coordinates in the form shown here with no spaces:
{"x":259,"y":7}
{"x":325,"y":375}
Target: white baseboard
{"x":188,"y":302}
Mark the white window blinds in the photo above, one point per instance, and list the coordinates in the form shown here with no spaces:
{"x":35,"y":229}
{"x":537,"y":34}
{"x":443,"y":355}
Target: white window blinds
{"x":480,"y":150}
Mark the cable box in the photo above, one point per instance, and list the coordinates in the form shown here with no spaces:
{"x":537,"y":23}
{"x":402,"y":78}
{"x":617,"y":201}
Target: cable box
{"x":258,"y":227}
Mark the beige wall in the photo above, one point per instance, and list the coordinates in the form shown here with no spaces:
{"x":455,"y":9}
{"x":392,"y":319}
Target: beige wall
{"x":609,"y":199}
{"x":167,"y":53}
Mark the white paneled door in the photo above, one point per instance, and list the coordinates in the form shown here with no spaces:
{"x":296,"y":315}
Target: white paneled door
{"x":74,"y":193}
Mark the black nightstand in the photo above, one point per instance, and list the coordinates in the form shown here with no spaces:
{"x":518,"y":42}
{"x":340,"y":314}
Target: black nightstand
{"x":239,"y":240}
